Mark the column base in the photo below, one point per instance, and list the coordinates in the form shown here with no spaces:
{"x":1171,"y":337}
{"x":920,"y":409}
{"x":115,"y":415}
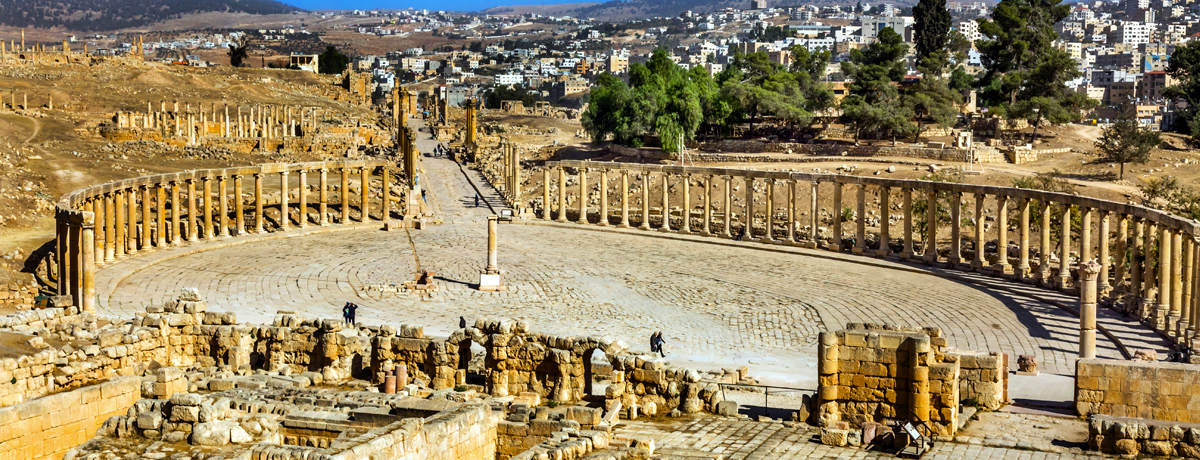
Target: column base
{"x":604,"y":223}
{"x":1172,"y":325}
{"x":978,"y":265}
{"x":491,"y":282}
{"x":1022,"y":272}
{"x":1158,"y":317}
{"x":1063,"y":283}
{"x":908,"y":255}
{"x":834,"y":247}
{"x":1002,"y":269}
{"x":665,"y":230}
{"x":808,"y":244}
{"x":857,"y":250}
{"x":884,"y":253}
{"x":953,"y":261}
{"x":643,"y":227}
{"x":562,"y":220}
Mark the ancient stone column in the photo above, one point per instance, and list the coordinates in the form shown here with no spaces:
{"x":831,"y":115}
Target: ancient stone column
{"x":930,"y":255}
{"x":603,"y":197}
{"x":344,"y":195}
{"x":1085,"y":233}
{"x":583,"y":196}
{"x":208,"y":207}
{"x":364,"y":200}
{"x":223,"y":199}
{"x":61,"y":241}
{"x":666,"y":203}
{"x":1022,"y":270}
{"x":1103,"y":285}
{"x":562,"y":195}
{"x":1044,"y":249}
{"x":1176,"y":283}
{"x":1064,"y":264}
{"x":1149,"y":279}
{"x":1123,"y":254}
{"x":624,"y":199}
{"x":1194,"y":328}
{"x":303,"y":222}
{"x":827,"y":373}
{"x":260,"y":201}
{"x":1185,"y":307}
{"x":493,"y":265}
{"x":88,"y":263}
{"x":1088,"y":272}
{"x":385,"y":173}
{"x":836,"y":245}
{"x":131,"y":244}
{"x":955,"y":257}
{"x":1166,"y":250}
{"x":176,"y":214}
{"x":860,"y":219}
{"x":979,"y":262}
{"x":160,"y":202}
{"x":145,"y":230}
{"x":546,"y":193}
{"x":791,"y":230}
{"x":285,"y":199}
{"x":645,"y":225}
{"x":728,"y":209}
{"x":323,"y":196}
{"x":908,"y":252}
{"x":885,"y":223}
{"x":239,"y":219}
{"x":193,"y":226}
{"x":749,"y":232}
{"x":686,"y":210}
{"x":96,"y":205}
{"x":119,"y":212}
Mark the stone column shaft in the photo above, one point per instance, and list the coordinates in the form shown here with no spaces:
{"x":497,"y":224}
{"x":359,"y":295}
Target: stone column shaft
{"x":980,"y":246}
{"x":1088,"y":272}
{"x":223,"y":204}
{"x":193,"y":228}
{"x":814,"y":215}
{"x":208,"y":209}
{"x":1064,"y":258}
{"x":885,"y":223}
{"x":176,"y":214}
{"x":908,"y":225}
{"x":930,"y":254}
{"x":303,"y":179}
{"x":583,"y":196}
{"x":546,"y":193}
{"x":239,"y":212}
{"x":145,"y":230}
{"x":562,"y":195}
{"x":131,"y":244}
{"x":603,"y":197}
{"x":749,"y":232}
{"x":791,"y":230}
{"x":364,"y":200}
{"x":88,"y":263}
{"x":323,"y":208}
{"x":624,"y":199}
{"x":836,"y":245}
{"x":955,"y":257}
{"x":1022,"y":270}
{"x":119,"y":223}
{"x":260,"y":202}
{"x":1044,"y":248}
{"x":860,"y":219}
{"x":666,"y":203}
{"x":161,"y":203}
{"x":686,"y":210}
{"x":769,"y":214}
{"x":1103,"y":286}
{"x":728,"y":209}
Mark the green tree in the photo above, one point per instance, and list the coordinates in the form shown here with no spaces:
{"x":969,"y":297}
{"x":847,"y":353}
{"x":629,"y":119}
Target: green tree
{"x":1018,"y":37}
{"x":238,"y":52}
{"x":1185,"y":68}
{"x":933,"y":99}
{"x":930,"y":35}
{"x":809,"y":62}
{"x":877,"y":65}
{"x":333,"y":61}
{"x":1126,"y":141}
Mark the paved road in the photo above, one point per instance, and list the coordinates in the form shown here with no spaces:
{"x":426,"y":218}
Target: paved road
{"x":719,"y":305}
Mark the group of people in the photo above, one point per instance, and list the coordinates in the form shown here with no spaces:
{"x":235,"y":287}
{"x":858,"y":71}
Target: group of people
{"x":348,"y":312}
{"x":656,"y":343}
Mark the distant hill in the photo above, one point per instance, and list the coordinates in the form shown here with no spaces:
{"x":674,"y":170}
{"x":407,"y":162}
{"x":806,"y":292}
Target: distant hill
{"x":101,"y":15}
{"x":553,"y":9}
{"x":622,"y":10}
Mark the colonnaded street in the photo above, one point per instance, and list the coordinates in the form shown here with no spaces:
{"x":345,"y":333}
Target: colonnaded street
{"x":720,"y":304}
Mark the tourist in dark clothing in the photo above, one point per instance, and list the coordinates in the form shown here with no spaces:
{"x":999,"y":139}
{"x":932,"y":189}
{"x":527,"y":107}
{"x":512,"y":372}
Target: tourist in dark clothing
{"x":462,"y":322}
{"x":350,"y":313}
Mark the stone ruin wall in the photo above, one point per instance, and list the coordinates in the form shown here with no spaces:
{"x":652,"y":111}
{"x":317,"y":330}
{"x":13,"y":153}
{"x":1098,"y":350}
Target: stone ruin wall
{"x":20,"y":295}
{"x":46,"y":428}
{"x":1142,"y":389}
{"x":1131,"y":437}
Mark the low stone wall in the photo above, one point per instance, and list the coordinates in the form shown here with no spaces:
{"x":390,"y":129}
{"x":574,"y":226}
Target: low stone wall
{"x":19,"y":295}
{"x":46,"y":428}
{"x":982,"y":378}
{"x":839,"y":150}
{"x":1143,"y":389}
{"x":1131,"y":437}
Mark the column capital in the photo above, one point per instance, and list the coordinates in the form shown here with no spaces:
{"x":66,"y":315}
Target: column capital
{"x":980,"y":196}
{"x":258,"y":175}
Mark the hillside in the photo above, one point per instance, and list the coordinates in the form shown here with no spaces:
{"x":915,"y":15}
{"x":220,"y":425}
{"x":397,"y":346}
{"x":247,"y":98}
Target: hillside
{"x":102,"y":15}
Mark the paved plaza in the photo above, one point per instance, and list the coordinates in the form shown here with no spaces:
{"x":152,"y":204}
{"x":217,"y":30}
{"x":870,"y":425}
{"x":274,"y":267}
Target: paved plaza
{"x":720,"y":305}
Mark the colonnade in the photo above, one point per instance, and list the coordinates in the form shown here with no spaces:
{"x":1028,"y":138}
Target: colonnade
{"x":101,"y":225}
{"x":209,"y":120}
{"x":1149,"y":260}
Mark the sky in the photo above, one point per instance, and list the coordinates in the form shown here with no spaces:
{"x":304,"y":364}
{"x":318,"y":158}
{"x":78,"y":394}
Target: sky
{"x":445,"y":5}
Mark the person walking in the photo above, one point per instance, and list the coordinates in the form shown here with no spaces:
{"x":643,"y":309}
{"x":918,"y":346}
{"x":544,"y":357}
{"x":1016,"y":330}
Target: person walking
{"x":476,"y":200}
{"x":462,"y":322}
{"x":350,"y":316}
{"x":346,"y":313}
{"x":654,"y":342}
{"x":659,"y":342}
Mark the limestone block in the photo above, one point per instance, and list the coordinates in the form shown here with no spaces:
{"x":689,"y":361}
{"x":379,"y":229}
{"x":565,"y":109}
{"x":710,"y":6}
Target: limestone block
{"x":727,"y":408}
{"x":185,"y":414}
{"x":213,"y":433}
{"x":834,"y":437}
{"x":150,"y":420}
{"x":190,"y":295}
{"x":185,"y":399}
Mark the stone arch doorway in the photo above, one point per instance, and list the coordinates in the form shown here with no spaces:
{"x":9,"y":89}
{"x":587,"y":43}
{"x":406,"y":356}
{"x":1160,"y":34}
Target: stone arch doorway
{"x":597,"y":373}
{"x":471,"y":358}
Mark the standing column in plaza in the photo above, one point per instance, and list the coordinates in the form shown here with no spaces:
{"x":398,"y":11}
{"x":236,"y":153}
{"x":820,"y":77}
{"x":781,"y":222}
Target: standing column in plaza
{"x":624,"y":199}
{"x":96,"y":206}
{"x":208,"y":208}
{"x":1149,"y":279}
{"x":666,"y":204}
{"x":885,"y":223}
{"x":87,"y":270}
{"x":1123,"y":255}
{"x":1022,"y":270}
{"x":323,"y":195}
{"x":131,"y":244}
{"x":1044,"y":249}
{"x":1088,"y":271}
{"x":645,"y":225}
{"x":1195,"y":326}
{"x":908,"y":252}
{"x":769,"y":217}
{"x":176,"y":214}
{"x":160,"y":203}
{"x":931,"y":228}
{"x":119,"y":223}
{"x":1185,"y":307}
{"x":491,"y":279}
{"x":814,"y":216}
{"x":259,"y":202}
{"x":1085,"y":233}
{"x":239,"y":219}
{"x":836,"y":245}
{"x":344,"y":195}
{"x":1002,"y":266}
{"x":562,"y":195}
{"x":193,"y":226}
{"x":748,"y":232}
{"x":1176,"y":283}
{"x":604,"y":197}
{"x":955,"y":256}
{"x":364,"y":200}
{"x":546,"y":193}
{"x":1104,"y":287}
{"x":583,"y":196}
{"x":791,"y":219}
{"x":1064,"y":245}
{"x":110,"y":229}
{"x":685,"y":211}
{"x":61,"y":241}
{"x":860,"y":219}
{"x":1165,"y":249}
{"x":285,"y":213}
{"x":980,"y":262}
{"x":223,"y":204}
{"x":145,"y":231}
{"x":728,"y":209}
{"x":303,"y":178}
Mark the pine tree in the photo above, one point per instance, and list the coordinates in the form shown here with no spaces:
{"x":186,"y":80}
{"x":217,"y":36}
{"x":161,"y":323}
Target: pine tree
{"x":930,"y":32}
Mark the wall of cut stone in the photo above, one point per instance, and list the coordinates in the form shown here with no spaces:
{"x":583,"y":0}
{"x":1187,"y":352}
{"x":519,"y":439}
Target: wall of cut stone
{"x":983,"y":378}
{"x":46,"y":428}
{"x":19,"y":295}
{"x":468,"y":433}
{"x":1143,"y":389}
{"x":1130,"y":437}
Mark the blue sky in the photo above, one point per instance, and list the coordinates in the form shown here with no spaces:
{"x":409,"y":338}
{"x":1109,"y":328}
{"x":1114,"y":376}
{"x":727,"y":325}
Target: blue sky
{"x":447,"y":5}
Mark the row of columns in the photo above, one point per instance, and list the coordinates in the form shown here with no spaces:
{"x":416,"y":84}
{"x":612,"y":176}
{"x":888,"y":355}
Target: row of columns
{"x":268,"y":122}
{"x":1150,"y":270}
{"x":130,"y":220}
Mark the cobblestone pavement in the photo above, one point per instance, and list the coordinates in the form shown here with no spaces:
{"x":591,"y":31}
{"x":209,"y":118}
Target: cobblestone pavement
{"x":740,"y":439}
{"x":719,"y":305}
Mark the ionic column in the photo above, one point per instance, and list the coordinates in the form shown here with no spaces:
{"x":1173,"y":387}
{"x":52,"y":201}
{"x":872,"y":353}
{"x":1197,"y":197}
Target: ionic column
{"x":208,"y":207}
{"x":791,"y":233}
{"x":624,"y":199}
{"x":980,"y":262}
{"x":1002,"y":266}
{"x":562,"y":195}
{"x":860,"y":221}
{"x":1022,"y":270}
{"x":666,"y":203}
{"x":1165,"y":259}
{"x":546,"y":193}
{"x":645,"y":225}
{"x":836,"y":245}
{"x":769,"y":211}
{"x":908,"y":225}
{"x":1153,"y":292}
{"x":119,"y":211}
{"x":363,"y":199}
{"x":61,"y":240}
{"x":1044,"y":250}
{"x":1064,"y":265}
{"x":259,"y":201}
{"x":1141,"y":278}
{"x":1195,"y":326}
{"x":728,"y":209}
{"x":131,"y":244}
{"x":88,"y":263}
{"x":176,"y":215}
{"x":344,"y":195}
{"x":1088,"y":271}
{"x":1085,"y":233}
{"x":931,"y":229}
{"x":1176,"y":285}
{"x":955,"y":257}
{"x":1123,"y":254}
{"x":144,"y":231}
{"x":96,"y":205}
{"x":223,"y":199}
{"x":160,"y":202}
{"x":583,"y":196}
{"x":885,"y":223}
{"x":749,"y":233}
{"x":323,"y":196}
{"x":1103,"y":286}
{"x":193,"y":226}
{"x":686,"y":209}
{"x":285,"y":201}
{"x":239,"y":211}
{"x":1185,"y":307}
{"x":603,"y":197}
{"x":304,"y":198}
